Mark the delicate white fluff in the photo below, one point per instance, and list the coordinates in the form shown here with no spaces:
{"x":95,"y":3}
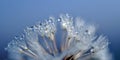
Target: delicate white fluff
{"x":78,"y":41}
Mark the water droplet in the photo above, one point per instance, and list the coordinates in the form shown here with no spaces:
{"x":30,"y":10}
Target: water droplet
{"x":49,"y":21}
{"x":76,"y":33}
{"x":59,"y":20}
{"x":32,"y":27}
{"x":40,"y":23}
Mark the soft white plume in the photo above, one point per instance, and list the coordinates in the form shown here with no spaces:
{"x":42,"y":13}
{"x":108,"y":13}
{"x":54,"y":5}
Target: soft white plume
{"x":78,"y":41}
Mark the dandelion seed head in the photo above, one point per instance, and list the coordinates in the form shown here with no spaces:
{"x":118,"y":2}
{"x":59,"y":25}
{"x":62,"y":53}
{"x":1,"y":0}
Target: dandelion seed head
{"x":78,"y":41}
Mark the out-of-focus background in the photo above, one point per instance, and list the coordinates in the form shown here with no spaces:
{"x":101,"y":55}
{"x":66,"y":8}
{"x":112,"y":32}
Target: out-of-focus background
{"x":15,"y":15}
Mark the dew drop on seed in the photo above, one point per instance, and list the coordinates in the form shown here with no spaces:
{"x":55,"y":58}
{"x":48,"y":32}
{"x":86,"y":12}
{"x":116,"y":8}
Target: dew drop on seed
{"x":59,"y":20}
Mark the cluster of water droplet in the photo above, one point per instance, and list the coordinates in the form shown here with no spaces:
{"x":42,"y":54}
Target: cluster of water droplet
{"x":39,"y":41}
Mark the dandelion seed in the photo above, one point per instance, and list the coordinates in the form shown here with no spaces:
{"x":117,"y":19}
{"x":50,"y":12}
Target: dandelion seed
{"x":40,"y":42}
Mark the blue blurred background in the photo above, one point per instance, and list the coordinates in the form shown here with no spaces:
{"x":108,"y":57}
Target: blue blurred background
{"x":15,"y":15}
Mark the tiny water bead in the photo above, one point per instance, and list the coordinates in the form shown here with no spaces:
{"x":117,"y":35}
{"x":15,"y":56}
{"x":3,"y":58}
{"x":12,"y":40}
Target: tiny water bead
{"x":78,"y":41}
{"x":59,"y":19}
